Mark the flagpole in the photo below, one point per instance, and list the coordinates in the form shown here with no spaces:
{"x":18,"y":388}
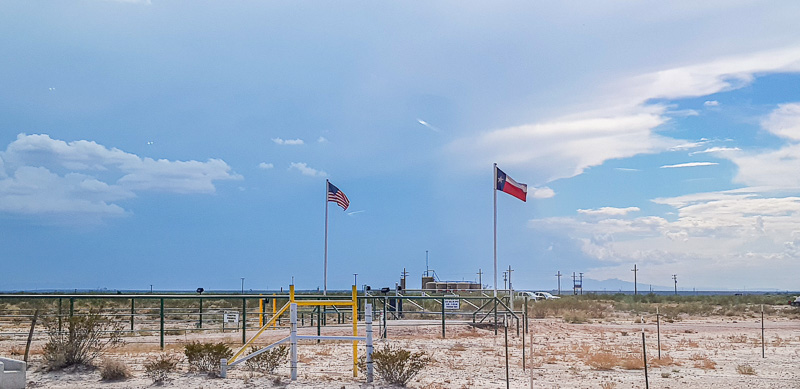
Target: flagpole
{"x":325,"y":276}
{"x":494,"y":190}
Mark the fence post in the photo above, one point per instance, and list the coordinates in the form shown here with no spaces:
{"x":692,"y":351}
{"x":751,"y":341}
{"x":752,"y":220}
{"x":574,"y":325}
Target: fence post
{"x":59,"y":315}
{"x":71,"y":307}
{"x":443,"y":335}
{"x":658,"y":329}
{"x":162,"y":323}
{"x":763,"y":346}
{"x":133,"y":310}
{"x":644,"y":356}
{"x":368,"y":320}
{"x":293,"y":339}
{"x":244,"y":320}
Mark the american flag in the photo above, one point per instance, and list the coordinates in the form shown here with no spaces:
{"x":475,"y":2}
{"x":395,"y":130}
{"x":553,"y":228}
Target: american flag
{"x":337,"y":196}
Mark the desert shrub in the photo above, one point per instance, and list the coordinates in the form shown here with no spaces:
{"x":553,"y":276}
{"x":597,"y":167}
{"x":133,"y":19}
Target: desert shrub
{"x":746,"y":369}
{"x":703,"y":362}
{"x":81,"y":341}
{"x":114,"y":370}
{"x":603,"y":360}
{"x":267,"y":361}
{"x":158,"y":368}
{"x":396,"y":365}
{"x":205,"y":357}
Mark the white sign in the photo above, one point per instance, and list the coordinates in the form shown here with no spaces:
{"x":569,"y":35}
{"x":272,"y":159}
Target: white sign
{"x":230,"y":317}
{"x":452,"y":304}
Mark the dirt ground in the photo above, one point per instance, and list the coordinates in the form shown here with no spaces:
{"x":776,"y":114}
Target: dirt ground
{"x":716,"y":352}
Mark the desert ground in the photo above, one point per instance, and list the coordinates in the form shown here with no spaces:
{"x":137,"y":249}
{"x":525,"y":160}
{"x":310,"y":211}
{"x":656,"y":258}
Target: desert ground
{"x":719,"y":351}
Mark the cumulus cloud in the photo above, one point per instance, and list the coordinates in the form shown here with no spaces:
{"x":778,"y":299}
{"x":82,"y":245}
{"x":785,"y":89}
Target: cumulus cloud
{"x":542,"y":193}
{"x":689,"y":164}
{"x":784,"y":121}
{"x":306,"y":170}
{"x":608,"y":211}
{"x":53,"y":179}
{"x":265,"y":166}
{"x":289,"y":142}
{"x":720,"y":230}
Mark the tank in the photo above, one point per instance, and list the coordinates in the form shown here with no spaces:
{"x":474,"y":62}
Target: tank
{"x":426,"y":281}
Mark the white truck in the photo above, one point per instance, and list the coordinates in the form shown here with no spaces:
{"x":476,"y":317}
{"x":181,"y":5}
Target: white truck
{"x":795,"y":302}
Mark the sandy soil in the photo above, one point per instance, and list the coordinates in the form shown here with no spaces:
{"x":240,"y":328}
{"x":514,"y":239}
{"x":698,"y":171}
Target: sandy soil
{"x":696,"y":353}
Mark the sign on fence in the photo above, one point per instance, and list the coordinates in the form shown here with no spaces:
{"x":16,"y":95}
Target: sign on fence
{"x":230,"y":317}
{"x":452,"y":304}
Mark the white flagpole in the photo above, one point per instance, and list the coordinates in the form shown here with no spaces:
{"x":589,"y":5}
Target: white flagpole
{"x":494,"y":190}
{"x":325,"y":276}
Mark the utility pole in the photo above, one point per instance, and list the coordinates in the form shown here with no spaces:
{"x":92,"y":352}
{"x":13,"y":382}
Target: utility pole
{"x":635,"y":289}
{"x":427,"y":273}
{"x":510,"y":289}
{"x":242,"y":284}
{"x":559,"y":282}
{"x":581,"y":283}
{"x":505,"y":280}
{"x":574,"y":284}
{"x":675,"y":278}
{"x":403,"y":282}
{"x":480,"y":281}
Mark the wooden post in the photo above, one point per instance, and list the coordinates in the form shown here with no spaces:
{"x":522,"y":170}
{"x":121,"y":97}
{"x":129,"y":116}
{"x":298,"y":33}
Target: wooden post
{"x":443,"y":334}
{"x":244,"y":320}
{"x":133,"y":310}
{"x":658,"y":329}
{"x":763,"y":346}
{"x":30,"y":335}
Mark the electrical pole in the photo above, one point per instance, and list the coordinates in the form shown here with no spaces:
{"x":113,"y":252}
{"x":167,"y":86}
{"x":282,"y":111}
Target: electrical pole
{"x":242,"y":285}
{"x":405,"y":274}
{"x":505,"y":280}
{"x":675,"y":278}
{"x":581,"y":283}
{"x":480,"y":281}
{"x":510,"y":289}
{"x":559,"y":282}
{"x":635,"y":289}
{"x":574,"y":284}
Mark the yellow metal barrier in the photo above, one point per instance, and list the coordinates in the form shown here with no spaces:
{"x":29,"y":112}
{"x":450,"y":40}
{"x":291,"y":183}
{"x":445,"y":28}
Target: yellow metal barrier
{"x":353,"y":303}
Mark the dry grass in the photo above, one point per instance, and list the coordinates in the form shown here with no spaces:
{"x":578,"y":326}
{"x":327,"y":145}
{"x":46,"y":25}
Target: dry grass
{"x":701,"y":361}
{"x":746,"y":369}
{"x":114,"y":370}
{"x":608,"y":385}
{"x":604,"y":360}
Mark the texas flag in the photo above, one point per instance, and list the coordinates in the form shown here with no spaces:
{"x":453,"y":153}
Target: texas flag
{"x":508,"y":185}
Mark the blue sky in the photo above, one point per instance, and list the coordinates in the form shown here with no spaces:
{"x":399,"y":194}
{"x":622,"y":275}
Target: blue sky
{"x":187,"y":143}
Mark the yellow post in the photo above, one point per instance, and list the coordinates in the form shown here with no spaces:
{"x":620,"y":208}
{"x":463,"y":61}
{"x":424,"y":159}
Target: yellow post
{"x":274,"y":311}
{"x":261,"y":311}
{"x":355,"y":331}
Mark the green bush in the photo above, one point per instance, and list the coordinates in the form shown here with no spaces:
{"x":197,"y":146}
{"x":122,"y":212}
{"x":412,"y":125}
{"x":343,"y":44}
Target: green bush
{"x":80,"y":342}
{"x":158,"y":368}
{"x":396,"y":365}
{"x":205,"y":357}
{"x":267,"y":361}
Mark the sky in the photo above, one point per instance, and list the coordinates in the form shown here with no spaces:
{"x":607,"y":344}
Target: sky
{"x":185,"y":144}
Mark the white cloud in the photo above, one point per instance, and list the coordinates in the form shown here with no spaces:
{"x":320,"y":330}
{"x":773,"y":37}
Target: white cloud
{"x":265,"y":166}
{"x":608,"y":211}
{"x":627,"y":169}
{"x":82,"y":180}
{"x":322,"y":139}
{"x":738,"y":232}
{"x":622,"y":121}
{"x":542,"y":193}
{"x":715,"y":150}
{"x":689,"y":145}
{"x":565,"y":147}
{"x":711,"y":103}
{"x":784,"y":121}
{"x":290,"y":142}
{"x":304,"y":169}
{"x":689,"y":164}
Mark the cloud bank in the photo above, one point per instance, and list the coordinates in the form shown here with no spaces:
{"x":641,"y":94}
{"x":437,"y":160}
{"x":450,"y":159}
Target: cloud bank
{"x":84,"y":181}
